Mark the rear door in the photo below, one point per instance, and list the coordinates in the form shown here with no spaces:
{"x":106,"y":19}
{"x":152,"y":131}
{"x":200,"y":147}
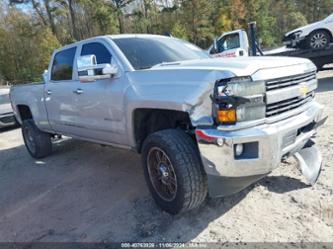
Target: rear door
{"x":59,"y":92}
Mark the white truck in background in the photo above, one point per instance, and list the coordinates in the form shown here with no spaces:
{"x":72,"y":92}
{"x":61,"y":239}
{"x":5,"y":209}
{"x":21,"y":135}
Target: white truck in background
{"x":239,"y":43}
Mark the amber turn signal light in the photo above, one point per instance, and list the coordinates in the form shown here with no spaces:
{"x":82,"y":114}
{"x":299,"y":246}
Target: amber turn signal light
{"x":226,"y":116}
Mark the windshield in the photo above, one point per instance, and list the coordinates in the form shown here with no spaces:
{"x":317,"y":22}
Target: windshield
{"x":4,"y":99}
{"x":145,"y":52}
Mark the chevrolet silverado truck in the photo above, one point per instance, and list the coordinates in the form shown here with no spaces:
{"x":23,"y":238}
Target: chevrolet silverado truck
{"x":203,"y":126}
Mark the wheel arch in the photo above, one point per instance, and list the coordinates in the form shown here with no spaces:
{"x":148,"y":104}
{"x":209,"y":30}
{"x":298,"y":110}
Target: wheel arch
{"x":146,"y":121}
{"x":24,"y":112}
{"x":322,"y":29}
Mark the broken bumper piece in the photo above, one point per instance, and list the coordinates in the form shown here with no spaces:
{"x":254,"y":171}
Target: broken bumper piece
{"x":310,"y":161}
{"x":235,"y":159}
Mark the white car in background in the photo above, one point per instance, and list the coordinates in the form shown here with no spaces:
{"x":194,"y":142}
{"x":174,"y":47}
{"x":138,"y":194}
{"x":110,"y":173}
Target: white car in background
{"x":315,"y":35}
{"x":7,"y":117}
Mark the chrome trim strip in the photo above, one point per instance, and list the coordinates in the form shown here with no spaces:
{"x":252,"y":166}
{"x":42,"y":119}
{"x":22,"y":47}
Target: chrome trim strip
{"x":289,"y":92}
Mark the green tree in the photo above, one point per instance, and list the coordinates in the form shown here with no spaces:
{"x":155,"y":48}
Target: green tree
{"x":43,"y":9}
{"x":119,"y":5}
{"x":314,"y":10}
{"x":197,"y":20}
{"x":25,"y":48}
{"x":287,"y":16}
{"x":179,"y":31}
{"x":260,"y":11}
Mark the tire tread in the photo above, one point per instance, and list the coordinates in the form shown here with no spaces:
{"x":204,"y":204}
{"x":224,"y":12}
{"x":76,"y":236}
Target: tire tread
{"x":42,"y":140}
{"x":188,"y":164}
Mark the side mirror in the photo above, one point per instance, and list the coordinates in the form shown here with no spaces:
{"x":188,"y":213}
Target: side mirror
{"x":89,"y":70}
{"x":86,"y":61}
{"x":45,"y":76}
{"x":242,"y":52}
{"x":110,"y":70}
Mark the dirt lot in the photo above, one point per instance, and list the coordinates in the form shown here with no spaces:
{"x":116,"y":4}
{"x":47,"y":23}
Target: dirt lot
{"x":85,"y":192}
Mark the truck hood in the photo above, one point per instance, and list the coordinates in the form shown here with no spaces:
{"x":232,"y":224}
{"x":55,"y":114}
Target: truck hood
{"x":240,"y":66}
{"x":187,"y":85}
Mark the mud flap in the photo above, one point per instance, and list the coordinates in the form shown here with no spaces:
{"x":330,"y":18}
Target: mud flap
{"x":310,"y":161}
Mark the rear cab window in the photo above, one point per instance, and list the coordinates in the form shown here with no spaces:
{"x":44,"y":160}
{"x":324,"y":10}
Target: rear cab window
{"x":62,"y":66}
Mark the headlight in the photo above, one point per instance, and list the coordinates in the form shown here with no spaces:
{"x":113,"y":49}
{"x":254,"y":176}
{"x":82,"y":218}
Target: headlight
{"x":241,"y":96}
{"x":296,"y":34}
{"x":247,"y":113}
{"x":240,"y":86}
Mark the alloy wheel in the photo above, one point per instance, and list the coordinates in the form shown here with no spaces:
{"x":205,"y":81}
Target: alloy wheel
{"x":162,"y":174}
{"x":319,"y":40}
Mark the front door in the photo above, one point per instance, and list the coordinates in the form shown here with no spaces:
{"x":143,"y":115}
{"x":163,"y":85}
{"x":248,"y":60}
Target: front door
{"x":100,"y":102}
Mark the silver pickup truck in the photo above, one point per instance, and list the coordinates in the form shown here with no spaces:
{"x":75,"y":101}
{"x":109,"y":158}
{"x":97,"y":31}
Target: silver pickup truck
{"x":203,"y":126}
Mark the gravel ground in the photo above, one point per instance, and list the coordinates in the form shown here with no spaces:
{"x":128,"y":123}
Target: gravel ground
{"x":85,"y":192}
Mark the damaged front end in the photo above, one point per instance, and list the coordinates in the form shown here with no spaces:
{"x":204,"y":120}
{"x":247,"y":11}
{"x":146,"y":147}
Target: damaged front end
{"x":238,"y":99}
{"x":310,"y":160}
{"x":309,"y":157}
{"x":244,"y":145}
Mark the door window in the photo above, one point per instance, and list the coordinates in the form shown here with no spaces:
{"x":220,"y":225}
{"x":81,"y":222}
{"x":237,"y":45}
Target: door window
{"x":102,"y":54}
{"x":228,"y":42}
{"x":62,"y":68}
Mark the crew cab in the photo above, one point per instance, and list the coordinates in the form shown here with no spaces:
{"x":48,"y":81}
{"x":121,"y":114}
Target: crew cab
{"x":203,"y":126}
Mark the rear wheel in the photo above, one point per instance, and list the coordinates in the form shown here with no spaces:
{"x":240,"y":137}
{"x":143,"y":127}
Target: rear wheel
{"x":37,"y":142}
{"x":318,"y":39}
{"x":173,"y":171}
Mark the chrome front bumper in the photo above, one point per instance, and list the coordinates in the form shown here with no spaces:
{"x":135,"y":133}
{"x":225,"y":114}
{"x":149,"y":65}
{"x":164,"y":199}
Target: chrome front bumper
{"x":264,"y":145}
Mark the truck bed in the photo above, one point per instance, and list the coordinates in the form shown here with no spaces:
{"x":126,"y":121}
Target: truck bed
{"x":31,"y":95}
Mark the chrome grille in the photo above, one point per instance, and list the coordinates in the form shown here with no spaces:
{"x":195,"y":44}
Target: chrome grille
{"x":287,"y":105}
{"x":289,"y":81}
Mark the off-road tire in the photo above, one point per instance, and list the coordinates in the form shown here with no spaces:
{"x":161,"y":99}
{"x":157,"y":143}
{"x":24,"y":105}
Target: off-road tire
{"x":42,"y":141}
{"x":190,"y":175}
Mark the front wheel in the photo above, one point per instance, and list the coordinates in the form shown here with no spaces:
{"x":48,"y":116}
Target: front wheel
{"x":318,"y":39}
{"x":37,"y":142}
{"x":173,"y":171}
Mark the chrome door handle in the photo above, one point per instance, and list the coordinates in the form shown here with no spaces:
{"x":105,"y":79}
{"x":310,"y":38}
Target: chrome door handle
{"x":78,"y":91}
{"x":48,"y":92}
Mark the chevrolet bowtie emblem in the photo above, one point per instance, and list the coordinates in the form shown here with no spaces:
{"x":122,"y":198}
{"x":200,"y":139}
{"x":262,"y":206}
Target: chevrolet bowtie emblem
{"x":303,"y":89}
